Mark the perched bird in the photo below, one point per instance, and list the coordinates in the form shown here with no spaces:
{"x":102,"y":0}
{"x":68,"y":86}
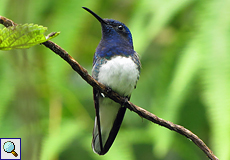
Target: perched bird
{"x":116,"y":65}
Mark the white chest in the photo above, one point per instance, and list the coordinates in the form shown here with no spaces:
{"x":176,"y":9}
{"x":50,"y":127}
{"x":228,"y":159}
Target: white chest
{"x":120,"y":74}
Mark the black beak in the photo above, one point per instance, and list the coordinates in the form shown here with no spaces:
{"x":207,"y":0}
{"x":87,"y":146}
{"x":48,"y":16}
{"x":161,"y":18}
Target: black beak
{"x":95,"y":15}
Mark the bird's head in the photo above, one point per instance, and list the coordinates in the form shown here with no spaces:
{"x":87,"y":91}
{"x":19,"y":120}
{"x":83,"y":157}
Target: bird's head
{"x":113,"y":31}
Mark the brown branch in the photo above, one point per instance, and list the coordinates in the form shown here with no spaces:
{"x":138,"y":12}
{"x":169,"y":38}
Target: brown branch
{"x":117,"y":98}
{"x":6,"y":22}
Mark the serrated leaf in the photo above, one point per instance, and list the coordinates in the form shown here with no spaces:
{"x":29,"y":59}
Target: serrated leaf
{"x":23,"y":36}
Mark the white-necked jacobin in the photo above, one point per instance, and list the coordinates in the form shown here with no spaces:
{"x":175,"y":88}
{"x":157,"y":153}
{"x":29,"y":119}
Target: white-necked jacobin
{"x":116,"y":65}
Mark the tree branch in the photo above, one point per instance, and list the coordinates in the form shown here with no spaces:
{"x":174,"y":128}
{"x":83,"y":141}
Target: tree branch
{"x":117,"y":98}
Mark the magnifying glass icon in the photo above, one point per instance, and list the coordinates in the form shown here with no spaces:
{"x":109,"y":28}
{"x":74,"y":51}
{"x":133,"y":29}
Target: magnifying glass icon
{"x":9,"y":147}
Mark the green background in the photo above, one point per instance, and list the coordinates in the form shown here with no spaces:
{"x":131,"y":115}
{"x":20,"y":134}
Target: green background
{"x":185,"y":78}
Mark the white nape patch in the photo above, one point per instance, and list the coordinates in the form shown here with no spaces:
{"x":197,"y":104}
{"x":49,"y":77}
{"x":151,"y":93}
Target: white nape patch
{"x":120,"y":74}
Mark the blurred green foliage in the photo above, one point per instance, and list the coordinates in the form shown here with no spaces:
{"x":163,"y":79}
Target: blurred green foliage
{"x":185,"y":55}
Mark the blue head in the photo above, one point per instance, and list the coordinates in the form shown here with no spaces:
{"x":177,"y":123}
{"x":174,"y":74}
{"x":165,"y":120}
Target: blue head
{"x":114,"y":31}
{"x":116,"y":38}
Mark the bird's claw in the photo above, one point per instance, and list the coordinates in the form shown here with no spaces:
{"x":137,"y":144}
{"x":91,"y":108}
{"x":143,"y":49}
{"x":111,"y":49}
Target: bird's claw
{"x":108,"y":89}
{"x":126,"y":101}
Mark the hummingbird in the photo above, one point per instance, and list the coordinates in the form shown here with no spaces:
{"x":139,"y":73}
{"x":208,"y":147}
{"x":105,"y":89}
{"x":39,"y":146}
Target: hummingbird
{"x":117,"y":66}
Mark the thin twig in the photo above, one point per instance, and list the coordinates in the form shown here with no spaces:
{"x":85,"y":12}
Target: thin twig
{"x":6,"y":22}
{"x":117,"y":98}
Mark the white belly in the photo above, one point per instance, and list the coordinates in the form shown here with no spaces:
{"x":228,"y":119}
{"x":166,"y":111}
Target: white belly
{"x":120,"y":74}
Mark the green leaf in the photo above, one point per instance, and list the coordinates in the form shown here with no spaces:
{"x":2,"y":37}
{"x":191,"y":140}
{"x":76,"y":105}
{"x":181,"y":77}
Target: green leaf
{"x":23,"y":36}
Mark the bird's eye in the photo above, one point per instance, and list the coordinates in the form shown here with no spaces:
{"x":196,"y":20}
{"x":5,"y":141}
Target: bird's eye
{"x":120,"y":27}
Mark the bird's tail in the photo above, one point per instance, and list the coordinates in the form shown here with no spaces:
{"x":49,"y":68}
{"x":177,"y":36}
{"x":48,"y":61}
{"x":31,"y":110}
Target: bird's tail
{"x":109,"y":116}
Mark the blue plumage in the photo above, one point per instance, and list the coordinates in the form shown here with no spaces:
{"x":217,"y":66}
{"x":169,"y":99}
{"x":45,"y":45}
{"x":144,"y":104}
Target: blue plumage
{"x":116,"y":65}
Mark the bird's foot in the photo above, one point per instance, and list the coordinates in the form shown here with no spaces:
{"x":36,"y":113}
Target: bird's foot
{"x":126,"y":101}
{"x":108,"y":89}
